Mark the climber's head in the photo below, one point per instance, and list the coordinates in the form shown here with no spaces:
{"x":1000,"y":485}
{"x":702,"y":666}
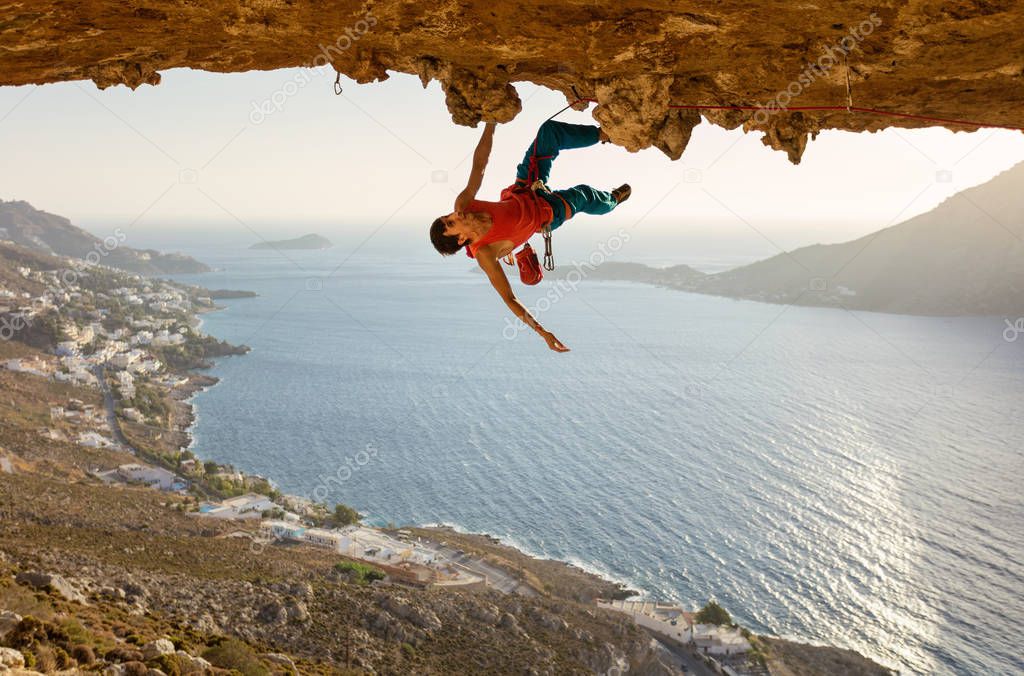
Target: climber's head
{"x":451,"y":232}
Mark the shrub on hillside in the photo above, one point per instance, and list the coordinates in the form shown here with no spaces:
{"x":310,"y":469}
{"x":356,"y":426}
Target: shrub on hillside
{"x":712,"y":613}
{"x":234,"y":654}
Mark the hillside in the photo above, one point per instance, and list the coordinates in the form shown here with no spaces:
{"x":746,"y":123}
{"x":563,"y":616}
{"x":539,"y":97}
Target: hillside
{"x":23,"y":224}
{"x":965,"y":257}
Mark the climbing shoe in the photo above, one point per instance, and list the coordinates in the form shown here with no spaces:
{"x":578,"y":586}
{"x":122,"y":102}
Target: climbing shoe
{"x":622,"y":193}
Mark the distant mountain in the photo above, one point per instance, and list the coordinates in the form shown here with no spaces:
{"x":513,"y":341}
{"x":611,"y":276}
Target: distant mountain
{"x":41,"y":231}
{"x":677,"y":275}
{"x":965,"y":257}
{"x":310,"y":241}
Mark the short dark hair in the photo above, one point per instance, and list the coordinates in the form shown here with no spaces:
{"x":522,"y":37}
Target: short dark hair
{"x":446,"y":245}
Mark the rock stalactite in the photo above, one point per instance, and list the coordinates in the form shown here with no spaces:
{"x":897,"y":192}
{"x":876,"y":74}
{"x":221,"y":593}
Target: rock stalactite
{"x":960,"y":59}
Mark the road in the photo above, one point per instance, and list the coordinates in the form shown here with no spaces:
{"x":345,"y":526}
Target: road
{"x":108,"y":401}
{"x":496,"y":577}
{"x":683,"y":659}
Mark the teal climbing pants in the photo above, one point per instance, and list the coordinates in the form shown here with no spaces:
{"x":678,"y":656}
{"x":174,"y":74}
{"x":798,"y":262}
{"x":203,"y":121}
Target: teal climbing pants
{"x":553,"y":137}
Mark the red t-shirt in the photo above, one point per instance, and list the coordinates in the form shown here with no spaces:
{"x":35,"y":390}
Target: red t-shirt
{"x":517,"y":217}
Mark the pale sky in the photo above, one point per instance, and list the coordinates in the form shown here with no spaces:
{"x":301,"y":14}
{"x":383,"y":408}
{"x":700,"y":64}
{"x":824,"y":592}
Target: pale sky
{"x":191,"y":154}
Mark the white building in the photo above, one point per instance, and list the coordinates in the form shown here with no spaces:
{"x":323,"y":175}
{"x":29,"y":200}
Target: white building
{"x":164,"y":338}
{"x":665,"y":620}
{"x":142,"y":338}
{"x":248,"y":506}
{"x":126,"y":384}
{"x":34,"y":366}
{"x":322,"y":538}
{"x":125,"y":359}
{"x":148,"y":366}
{"x":155,"y":477}
{"x":77,"y":375}
{"x":714,"y":640}
{"x":94,"y":440}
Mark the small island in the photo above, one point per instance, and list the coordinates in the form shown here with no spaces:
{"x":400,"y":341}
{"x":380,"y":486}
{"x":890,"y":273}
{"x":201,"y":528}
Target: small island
{"x":310,"y":241}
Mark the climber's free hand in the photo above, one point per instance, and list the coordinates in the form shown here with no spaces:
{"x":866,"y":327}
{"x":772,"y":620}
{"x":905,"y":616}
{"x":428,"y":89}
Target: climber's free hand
{"x":554,"y":343}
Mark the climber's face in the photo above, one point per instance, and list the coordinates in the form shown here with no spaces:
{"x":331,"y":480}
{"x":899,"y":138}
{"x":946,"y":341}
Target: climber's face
{"x":459,"y":224}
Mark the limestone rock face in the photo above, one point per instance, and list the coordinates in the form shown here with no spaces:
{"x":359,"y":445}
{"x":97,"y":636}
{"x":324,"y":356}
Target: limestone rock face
{"x":11,"y":659}
{"x":960,"y":59}
{"x":160,"y":646}
{"x":48,"y":581}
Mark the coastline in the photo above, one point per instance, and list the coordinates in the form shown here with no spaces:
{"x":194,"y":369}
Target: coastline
{"x":593,"y":578}
{"x":557,"y":578}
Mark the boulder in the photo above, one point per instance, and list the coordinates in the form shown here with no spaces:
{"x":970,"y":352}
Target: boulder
{"x":192,"y":662}
{"x":8,"y":621}
{"x":11,"y":659}
{"x":297,"y":611}
{"x":302,"y":590}
{"x":160,"y":646}
{"x":421,"y":617}
{"x":272,"y":613}
{"x":280,"y":660}
{"x":508,"y":621}
{"x":50,"y":582}
{"x":486,"y":614}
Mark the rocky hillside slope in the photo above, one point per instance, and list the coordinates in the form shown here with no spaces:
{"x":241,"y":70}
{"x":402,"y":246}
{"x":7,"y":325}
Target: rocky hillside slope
{"x":950,"y":59}
{"x":41,"y":231}
{"x":965,"y":257}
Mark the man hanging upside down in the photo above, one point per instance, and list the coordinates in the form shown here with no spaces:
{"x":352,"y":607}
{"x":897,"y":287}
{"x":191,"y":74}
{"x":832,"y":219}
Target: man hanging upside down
{"x":492,"y":230}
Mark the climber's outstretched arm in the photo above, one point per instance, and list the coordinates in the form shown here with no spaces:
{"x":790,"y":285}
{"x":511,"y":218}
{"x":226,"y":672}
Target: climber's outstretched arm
{"x":490,"y":265}
{"x":476,"y":174}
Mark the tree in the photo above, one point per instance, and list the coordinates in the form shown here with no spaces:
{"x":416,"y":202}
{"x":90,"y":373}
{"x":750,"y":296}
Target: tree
{"x":712,"y":613}
{"x":345,"y":515}
{"x":210,"y":467}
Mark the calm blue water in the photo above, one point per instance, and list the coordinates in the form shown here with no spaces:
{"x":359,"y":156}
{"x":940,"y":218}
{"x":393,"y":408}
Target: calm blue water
{"x":849,"y":479}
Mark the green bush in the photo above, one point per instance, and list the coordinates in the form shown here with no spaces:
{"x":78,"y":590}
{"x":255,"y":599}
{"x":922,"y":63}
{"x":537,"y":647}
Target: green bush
{"x":360,"y":573}
{"x":712,"y":613}
{"x":234,"y":654}
{"x":345,"y":515}
{"x":169,"y":664}
{"x":83,"y":654}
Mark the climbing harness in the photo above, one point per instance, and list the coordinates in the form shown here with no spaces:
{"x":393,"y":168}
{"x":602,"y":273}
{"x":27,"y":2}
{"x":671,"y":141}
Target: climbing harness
{"x":533,"y":184}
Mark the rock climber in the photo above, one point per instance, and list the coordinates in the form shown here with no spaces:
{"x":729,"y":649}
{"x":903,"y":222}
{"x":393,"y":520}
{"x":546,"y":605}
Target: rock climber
{"x":492,"y":230}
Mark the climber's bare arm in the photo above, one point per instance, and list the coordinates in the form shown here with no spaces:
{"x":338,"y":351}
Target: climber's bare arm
{"x":476,"y":174}
{"x":488,"y":262}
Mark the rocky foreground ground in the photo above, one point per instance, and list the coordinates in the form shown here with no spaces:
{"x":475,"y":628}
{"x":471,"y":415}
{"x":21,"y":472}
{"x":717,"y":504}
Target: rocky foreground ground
{"x":116,"y":579}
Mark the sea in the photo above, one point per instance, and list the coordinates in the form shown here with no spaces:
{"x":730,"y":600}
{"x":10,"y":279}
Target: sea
{"x":844,"y":478}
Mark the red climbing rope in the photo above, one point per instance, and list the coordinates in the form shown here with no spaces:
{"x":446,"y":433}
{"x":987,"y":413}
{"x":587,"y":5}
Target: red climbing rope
{"x":847,"y":109}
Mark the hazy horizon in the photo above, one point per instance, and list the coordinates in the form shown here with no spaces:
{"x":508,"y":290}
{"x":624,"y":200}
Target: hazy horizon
{"x":190,"y":160}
